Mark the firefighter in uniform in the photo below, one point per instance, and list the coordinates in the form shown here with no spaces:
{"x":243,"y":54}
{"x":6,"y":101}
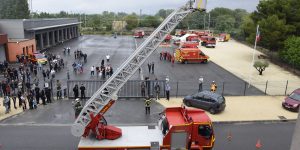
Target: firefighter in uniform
{"x":147,"y":104}
{"x":213,"y":87}
{"x":78,"y":107}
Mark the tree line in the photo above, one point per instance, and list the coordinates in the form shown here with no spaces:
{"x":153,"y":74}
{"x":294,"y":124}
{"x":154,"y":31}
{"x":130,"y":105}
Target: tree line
{"x":279,"y":22}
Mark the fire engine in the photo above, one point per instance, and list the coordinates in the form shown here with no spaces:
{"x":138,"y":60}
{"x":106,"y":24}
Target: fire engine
{"x":190,"y":53}
{"x":181,"y":128}
{"x":224,"y":37}
{"x":139,"y":34}
{"x":208,"y":41}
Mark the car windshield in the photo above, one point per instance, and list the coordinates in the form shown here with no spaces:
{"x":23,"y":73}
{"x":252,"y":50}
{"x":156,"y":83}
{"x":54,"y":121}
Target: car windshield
{"x":295,"y":96}
{"x":39,"y":56}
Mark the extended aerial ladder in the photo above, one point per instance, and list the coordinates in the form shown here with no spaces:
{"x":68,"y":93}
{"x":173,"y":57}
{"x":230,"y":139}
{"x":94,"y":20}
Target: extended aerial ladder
{"x":106,"y":95}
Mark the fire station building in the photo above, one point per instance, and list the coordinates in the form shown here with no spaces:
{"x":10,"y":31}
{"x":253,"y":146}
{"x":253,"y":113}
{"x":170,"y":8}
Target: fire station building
{"x":25,"y":36}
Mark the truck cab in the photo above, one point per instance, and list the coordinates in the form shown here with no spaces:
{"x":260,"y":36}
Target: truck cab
{"x":187,"y":129}
{"x":208,"y":41}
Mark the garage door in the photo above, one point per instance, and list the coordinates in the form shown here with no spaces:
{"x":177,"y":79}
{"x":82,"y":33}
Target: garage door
{"x":2,"y":53}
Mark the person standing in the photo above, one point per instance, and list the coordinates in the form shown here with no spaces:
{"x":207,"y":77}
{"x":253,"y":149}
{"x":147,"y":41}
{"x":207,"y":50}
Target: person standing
{"x":76,"y":91}
{"x":168,"y":88}
{"x":92,"y":71}
{"x":48,"y":95}
{"x":37,"y":94}
{"x":147,"y":104}
{"x":213,"y":87}
{"x":44,"y":74}
{"x":149,"y":67}
{"x":143,"y":89}
{"x":43,"y":97}
{"x":152,"y":67}
{"x":78,"y":107}
{"x":58,"y":90}
{"x":82,"y":92}
{"x":24,"y":105}
{"x":157,"y":90}
{"x":107,"y":58}
{"x":6,"y":104}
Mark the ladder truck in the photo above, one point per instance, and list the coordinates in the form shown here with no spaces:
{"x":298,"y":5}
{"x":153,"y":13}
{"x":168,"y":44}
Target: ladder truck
{"x":182,"y":128}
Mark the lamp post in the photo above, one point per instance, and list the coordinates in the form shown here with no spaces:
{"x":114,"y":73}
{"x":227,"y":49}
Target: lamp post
{"x":200,"y":83}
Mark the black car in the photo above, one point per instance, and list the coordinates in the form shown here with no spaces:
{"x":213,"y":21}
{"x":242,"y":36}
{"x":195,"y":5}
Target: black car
{"x":206,"y":100}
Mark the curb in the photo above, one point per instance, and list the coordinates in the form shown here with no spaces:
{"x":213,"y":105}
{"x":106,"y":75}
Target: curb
{"x":255,"y":121}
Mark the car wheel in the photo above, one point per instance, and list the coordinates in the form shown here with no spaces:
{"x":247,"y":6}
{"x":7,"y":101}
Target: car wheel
{"x":212,"y":111}
{"x":188,"y":104}
{"x":185,"y":62}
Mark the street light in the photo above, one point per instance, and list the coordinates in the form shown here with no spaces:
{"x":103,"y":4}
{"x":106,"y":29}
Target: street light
{"x":200,"y":83}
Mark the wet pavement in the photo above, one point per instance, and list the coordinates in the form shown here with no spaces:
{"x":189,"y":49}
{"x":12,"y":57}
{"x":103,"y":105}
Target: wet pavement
{"x":61,"y":112}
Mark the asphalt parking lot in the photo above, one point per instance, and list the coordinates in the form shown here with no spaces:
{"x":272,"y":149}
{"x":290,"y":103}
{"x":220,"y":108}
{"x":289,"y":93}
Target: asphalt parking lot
{"x":183,"y":77}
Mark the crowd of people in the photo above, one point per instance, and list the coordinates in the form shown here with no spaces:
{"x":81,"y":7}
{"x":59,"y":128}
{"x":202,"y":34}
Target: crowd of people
{"x":167,"y":57}
{"x":21,"y":82}
{"x":104,"y":71}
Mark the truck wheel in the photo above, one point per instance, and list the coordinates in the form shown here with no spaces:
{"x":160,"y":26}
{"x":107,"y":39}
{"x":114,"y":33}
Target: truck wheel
{"x":185,"y":62}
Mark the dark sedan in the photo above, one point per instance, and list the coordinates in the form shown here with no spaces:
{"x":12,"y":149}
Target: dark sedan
{"x":206,"y":100}
{"x":292,"y":102}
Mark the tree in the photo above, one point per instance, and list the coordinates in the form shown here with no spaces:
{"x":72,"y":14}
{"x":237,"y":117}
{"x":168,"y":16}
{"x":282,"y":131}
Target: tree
{"x":225,"y":23}
{"x":274,"y":32}
{"x":14,"y":9}
{"x":261,"y":66}
{"x":164,"y":13}
{"x":132,"y":21}
{"x":150,"y":21}
{"x":22,"y":9}
{"x":291,"y":51}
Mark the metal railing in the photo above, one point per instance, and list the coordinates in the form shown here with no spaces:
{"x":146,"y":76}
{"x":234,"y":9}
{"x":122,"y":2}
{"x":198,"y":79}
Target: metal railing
{"x":132,"y":89}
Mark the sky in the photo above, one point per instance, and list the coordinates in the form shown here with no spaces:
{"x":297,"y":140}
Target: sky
{"x":129,"y":6}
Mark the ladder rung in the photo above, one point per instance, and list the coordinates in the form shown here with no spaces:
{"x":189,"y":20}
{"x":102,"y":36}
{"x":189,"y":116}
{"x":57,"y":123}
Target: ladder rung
{"x":98,"y":102}
{"x":119,"y":79}
{"x":110,"y":87}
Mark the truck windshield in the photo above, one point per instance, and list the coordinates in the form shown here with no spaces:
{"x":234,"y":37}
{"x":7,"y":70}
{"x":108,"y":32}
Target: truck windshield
{"x":205,"y":131}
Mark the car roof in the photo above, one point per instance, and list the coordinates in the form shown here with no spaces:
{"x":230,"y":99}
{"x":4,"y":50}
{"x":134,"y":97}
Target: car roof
{"x":210,"y":94}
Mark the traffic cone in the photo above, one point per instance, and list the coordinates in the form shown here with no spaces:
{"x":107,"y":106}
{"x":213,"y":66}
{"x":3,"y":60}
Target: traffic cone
{"x":258,"y":144}
{"x":229,"y":137}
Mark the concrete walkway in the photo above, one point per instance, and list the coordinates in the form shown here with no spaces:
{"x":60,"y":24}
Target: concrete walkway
{"x":245,"y":108}
{"x":237,"y":59}
{"x":12,"y":112}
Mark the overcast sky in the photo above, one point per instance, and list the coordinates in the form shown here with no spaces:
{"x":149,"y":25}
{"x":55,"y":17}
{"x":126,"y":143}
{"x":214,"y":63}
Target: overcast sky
{"x":129,"y":6}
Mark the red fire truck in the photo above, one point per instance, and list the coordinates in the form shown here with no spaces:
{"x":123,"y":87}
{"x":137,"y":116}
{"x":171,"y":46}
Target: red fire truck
{"x":190,"y":55}
{"x":224,"y":37}
{"x":179,"y":128}
{"x":208,"y":41}
{"x":139,"y":34}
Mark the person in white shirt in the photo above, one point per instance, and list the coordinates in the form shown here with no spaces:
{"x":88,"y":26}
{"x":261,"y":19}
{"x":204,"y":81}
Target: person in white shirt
{"x":107,"y":58}
{"x":92,"y":71}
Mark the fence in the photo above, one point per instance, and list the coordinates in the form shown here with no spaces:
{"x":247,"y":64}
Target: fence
{"x":132,"y":89}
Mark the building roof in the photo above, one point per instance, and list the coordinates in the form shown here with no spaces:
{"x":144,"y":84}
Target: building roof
{"x":53,"y":26}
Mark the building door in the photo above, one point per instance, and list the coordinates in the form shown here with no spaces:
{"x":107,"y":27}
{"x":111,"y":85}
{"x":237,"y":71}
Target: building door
{"x":2,"y":53}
